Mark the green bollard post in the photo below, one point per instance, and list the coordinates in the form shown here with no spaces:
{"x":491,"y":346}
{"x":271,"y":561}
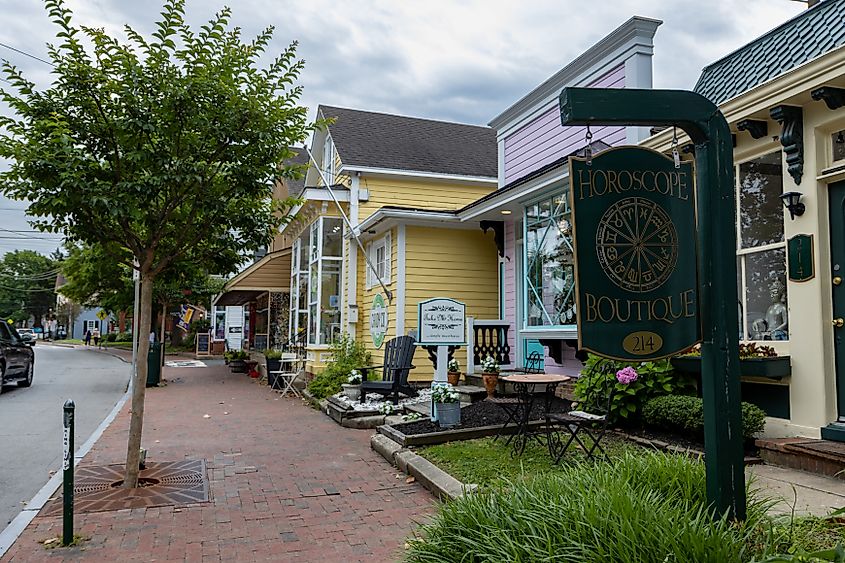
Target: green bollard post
{"x":67,"y":480}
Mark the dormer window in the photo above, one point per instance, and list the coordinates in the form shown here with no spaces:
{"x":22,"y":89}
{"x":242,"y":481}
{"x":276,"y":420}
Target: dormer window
{"x":328,"y":160}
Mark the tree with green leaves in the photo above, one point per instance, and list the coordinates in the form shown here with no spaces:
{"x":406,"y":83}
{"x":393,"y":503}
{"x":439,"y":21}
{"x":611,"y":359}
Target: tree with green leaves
{"x":27,"y":286}
{"x":158,"y":149}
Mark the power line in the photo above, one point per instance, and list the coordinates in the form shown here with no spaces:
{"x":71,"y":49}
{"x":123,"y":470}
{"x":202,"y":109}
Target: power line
{"x":24,"y":53}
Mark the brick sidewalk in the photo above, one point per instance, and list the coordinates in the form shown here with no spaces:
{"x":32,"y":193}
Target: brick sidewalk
{"x":286,"y":483}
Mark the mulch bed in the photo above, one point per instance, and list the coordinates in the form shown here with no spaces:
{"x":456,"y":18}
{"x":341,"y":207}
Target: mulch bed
{"x":482,"y":413}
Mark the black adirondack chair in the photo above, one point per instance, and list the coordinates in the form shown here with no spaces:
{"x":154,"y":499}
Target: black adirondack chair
{"x":398,"y":355}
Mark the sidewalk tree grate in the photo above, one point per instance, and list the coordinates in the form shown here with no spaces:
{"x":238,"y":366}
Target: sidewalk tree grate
{"x":166,"y":483}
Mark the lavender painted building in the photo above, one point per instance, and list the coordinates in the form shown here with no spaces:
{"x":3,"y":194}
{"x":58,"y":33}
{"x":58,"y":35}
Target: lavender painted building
{"x":531,"y":204}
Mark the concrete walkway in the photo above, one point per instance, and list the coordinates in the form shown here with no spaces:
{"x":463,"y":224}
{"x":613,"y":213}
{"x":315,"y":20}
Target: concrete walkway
{"x":810,"y":494}
{"x":286,"y":483}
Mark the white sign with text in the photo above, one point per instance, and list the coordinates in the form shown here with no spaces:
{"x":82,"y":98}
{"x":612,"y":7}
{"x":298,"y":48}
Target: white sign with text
{"x":441,"y":322}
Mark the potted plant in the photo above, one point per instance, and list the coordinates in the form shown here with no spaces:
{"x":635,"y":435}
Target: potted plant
{"x":454,"y":369}
{"x":490,"y":375}
{"x":754,"y":361}
{"x":447,"y":405}
{"x":274,"y":364}
{"x":352,"y":387}
{"x":237,"y":361}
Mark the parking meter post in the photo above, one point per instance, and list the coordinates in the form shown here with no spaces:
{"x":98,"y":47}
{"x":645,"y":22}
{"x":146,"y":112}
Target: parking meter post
{"x":67,"y":478}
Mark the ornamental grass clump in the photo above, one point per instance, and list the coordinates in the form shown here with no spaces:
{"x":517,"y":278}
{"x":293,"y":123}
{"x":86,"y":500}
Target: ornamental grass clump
{"x":644,"y":507}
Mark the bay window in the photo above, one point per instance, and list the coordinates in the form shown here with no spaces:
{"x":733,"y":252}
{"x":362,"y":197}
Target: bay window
{"x":549,"y":299}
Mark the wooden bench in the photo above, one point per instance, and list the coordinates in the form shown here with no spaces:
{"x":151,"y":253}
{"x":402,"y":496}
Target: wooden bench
{"x":398,"y":355}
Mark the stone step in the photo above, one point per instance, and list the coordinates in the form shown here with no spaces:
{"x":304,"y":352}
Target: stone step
{"x":470,"y":393}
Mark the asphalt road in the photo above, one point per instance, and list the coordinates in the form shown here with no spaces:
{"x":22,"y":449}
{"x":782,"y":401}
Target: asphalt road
{"x":31,"y":419}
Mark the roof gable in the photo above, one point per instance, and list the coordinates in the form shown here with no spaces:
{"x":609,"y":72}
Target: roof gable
{"x":808,"y":35}
{"x":379,"y":140}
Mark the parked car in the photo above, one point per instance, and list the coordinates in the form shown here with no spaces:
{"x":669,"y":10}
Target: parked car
{"x":27,"y":335}
{"x":17,"y":360}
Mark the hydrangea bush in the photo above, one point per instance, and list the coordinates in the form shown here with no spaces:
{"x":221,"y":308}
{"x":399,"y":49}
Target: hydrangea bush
{"x":355,"y":377}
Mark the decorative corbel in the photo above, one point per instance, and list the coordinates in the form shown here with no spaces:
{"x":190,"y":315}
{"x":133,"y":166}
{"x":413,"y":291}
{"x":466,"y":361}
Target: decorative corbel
{"x":756,"y":127}
{"x":498,"y":234}
{"x":832,"y":96}
{"x":791,"y":119}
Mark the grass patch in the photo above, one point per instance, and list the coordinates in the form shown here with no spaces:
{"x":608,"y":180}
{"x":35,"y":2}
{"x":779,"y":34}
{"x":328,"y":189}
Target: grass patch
{"x":486,"y":462}
{"x":53,"y":543}
{"x":646,"y":506}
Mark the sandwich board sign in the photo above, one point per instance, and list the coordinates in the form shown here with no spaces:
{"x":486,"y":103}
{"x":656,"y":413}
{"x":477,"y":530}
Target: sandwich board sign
{"x":634,"y":234}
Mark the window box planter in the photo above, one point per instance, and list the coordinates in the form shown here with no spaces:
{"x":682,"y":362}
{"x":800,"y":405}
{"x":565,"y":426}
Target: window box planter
{"x":772,"y":368}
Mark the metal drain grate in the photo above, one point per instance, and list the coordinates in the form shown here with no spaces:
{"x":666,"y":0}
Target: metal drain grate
{"x":179,"y":482}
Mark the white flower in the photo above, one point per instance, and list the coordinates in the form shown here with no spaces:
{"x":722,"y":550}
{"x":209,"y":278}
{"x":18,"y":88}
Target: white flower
{"x":444,"y":393}
{"x":453,"y":366}
{"x":354,"y":377}
{"x":489,"y":365}
{"x":385,"y":408}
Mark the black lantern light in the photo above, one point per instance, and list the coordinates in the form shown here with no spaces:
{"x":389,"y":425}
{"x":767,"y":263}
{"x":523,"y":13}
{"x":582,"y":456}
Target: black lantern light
{"x":792,"y":201}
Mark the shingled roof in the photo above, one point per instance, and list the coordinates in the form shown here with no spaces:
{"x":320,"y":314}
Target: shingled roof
{"x":811,"y":33}
{"x":379,"y":140}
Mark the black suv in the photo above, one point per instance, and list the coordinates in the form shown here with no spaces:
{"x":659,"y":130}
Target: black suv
{"x":17,"y":359}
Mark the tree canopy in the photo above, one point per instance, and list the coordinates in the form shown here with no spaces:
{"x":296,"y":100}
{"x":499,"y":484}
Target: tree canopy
{"x":159,"y":149}
{"x":27,"y":285}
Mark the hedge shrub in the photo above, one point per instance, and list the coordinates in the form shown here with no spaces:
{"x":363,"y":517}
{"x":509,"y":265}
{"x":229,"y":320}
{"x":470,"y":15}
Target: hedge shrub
{"x":346,"y":356}
{"x":677,"y":412}
{"x":111,"y":337}
{"x":123,"y":337}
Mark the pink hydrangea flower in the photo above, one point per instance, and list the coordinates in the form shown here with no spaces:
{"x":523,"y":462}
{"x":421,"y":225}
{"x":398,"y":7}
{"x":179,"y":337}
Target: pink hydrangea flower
{"x":626,"y":375}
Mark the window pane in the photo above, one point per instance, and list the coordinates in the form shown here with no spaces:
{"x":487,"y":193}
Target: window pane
{"x":332,"y":237}
{"x":304,"y":252}
{"x":761,"y":210}
{"x":302,"y":302}
{"x":549,"y":273}
{"x":330,"y":302}
{"x":741,"y":312}
{"x":312,"y":329}
{"x":839,"y":145}
{"x":220,"y":325}
{"x":314,"y":240}
{"x":765,"y":296}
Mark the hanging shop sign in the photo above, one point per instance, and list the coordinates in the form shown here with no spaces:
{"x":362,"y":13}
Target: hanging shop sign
{"x":378,"y":320}
{"x":186,"y":315}
{"x":633,"y":212}
{"x":800,"y":251}
{"x":441,"y":322}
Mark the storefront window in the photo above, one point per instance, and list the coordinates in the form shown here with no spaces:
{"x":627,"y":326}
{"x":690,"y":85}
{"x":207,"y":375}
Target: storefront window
{"x":316,"y":282}
{"x":761,"y":257}
{"x":219,"y":323}
{"x":838,"y":139}
{"x":549,"y":270}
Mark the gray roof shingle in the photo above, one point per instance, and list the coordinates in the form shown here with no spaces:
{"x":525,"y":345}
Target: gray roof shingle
{"x":380,"y":140}
{"x":811,"y":33}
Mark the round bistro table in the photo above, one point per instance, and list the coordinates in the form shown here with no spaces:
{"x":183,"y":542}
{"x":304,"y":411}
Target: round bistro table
{"x":525,"y":385}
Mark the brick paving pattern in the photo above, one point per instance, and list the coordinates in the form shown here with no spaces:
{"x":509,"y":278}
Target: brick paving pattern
{"x":287,"y":484}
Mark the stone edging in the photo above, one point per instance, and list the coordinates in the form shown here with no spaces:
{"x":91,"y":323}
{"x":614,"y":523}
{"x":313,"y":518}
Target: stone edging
{"x":440,"y":483}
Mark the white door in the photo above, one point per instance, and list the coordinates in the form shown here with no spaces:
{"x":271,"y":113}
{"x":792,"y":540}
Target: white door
{"x":234,"y":327}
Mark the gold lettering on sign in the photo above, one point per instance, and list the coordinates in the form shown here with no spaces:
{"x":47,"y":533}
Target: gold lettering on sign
{"x":642,"y":343}
{"x":597,"y":183}
{"x":603,"y":309}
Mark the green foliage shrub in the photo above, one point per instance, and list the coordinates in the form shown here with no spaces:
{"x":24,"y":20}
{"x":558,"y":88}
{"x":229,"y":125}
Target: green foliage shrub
{"x":654,"y":379}
{"x":686,"y":414}
{"x":346,"y":355}
{"x":646,"y":506}
{"x":272,"y":354}
{"x":111,"y":337}
{"x":123,"y":337}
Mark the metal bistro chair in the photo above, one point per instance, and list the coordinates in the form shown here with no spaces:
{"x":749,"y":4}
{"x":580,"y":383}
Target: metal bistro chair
{"x":283,"y":379}
{"x":513,"y":405}
{"x":575,"y":422}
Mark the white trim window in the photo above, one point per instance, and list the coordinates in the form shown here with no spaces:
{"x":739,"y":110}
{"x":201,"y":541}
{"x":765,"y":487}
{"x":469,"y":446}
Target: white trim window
{"x":761,"y":249}
{"x":380,"y":254}
{"x":328,"y":160}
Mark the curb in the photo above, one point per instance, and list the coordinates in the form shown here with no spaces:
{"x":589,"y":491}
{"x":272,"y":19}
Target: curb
{"x":16,"y":527}
{"x":440,"y":483}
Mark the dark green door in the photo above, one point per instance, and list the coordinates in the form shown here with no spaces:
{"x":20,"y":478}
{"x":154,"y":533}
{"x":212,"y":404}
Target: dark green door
{"x":837,"y":266}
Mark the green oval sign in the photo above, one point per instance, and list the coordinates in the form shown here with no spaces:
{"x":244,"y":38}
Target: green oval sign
{"x":378,"y":320}
{"x":633,"y":219}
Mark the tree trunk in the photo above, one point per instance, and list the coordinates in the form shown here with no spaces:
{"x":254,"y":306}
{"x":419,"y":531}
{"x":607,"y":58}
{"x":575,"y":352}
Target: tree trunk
{"x":139,"y":385}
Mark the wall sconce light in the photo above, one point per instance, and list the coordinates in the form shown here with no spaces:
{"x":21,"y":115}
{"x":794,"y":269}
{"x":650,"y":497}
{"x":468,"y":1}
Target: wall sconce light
{"x":792,"y":201}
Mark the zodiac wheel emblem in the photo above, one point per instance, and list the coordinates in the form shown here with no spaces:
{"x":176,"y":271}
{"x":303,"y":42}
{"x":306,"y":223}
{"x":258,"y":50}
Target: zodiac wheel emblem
{"x":637,"y":244}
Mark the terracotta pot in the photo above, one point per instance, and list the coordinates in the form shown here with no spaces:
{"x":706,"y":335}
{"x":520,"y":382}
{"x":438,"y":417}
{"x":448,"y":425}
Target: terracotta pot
{"x":453,"y":377}
{"x":491,"y":381}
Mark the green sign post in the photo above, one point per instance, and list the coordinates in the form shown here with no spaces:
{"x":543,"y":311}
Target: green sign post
{"x":708,"y":129}
{"x":634,"y":232}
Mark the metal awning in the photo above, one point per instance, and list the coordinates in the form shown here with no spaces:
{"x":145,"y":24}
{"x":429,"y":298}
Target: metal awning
{"x":271,"y":273}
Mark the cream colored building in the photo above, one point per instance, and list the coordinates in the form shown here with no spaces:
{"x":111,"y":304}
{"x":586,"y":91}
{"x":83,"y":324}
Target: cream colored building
{"x":784,"y":98}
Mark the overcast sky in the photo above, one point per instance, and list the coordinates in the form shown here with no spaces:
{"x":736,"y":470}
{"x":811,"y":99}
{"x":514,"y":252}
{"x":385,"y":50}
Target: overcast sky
{"x":463,"y":60}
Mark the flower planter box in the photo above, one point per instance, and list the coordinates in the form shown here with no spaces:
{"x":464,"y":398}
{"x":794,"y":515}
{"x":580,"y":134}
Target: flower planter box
{"x":238,"y":366}
{"x":772,"y":368}
{"x":394,"y":432}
